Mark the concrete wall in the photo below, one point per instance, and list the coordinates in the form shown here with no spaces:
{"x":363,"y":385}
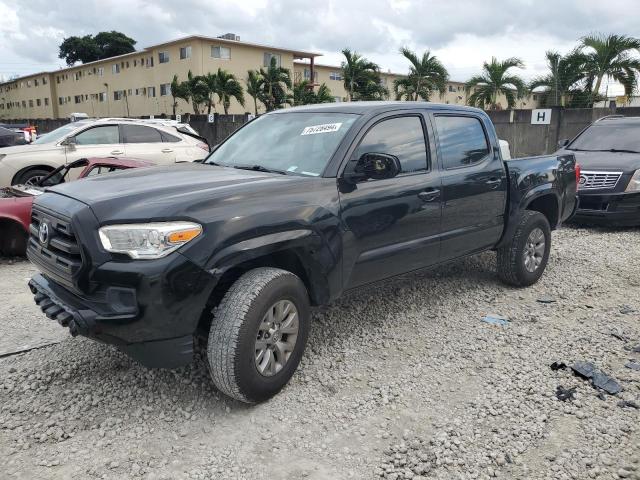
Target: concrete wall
{"x":525,"y":139}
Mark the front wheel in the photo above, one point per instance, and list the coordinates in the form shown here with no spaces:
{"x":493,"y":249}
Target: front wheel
{"x":522,"y":261}
{"x":258,"y":334}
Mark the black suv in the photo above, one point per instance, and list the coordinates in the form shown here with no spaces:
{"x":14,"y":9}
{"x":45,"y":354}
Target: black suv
{"x":608,"y":152}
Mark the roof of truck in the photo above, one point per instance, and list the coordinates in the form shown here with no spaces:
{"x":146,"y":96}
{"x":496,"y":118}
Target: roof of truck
{"x":375,"y":107}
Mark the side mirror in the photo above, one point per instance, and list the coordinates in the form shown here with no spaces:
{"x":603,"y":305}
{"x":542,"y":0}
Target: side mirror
{"x":69,"y":142}
{"x":563,"y":143}
{"x":375,"y":166}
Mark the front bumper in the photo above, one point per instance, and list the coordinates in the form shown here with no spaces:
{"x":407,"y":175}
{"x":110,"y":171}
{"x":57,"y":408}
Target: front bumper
{"x":148,"y":309}
{"x":614,"y":209}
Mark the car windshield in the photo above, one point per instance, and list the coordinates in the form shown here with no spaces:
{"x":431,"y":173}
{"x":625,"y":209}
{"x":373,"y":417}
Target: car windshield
{"x":57,"y":134}
{"x":613,"y":136}
{"x":297,"y":143}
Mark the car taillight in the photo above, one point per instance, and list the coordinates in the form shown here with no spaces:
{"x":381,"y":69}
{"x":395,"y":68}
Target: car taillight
{"x":577,"y":176}
{"x":203,"y":146}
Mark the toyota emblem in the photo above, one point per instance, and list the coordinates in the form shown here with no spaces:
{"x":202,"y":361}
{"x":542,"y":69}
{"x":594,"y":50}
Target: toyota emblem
{"x":43,"y":233}
{"x":583,"y":180}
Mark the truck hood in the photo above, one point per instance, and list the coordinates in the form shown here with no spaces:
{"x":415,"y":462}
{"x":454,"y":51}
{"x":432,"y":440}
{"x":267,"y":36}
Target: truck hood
{"x":611,"y":161}
{"x":179,"y":191}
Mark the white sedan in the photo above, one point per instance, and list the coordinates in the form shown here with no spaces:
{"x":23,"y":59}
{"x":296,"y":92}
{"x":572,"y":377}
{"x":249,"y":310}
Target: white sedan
{"x":159,"y":142}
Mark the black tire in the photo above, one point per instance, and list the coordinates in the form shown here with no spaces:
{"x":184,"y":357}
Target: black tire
{"x":231,"y":349}
{"x":511,"y":257}
{"x":27,"y":175}
{"x":13,"y":239}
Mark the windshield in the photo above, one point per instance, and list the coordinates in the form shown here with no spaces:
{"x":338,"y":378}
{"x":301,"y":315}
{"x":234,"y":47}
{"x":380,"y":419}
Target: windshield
{"x":608,"y":137}
{"x":299,"y":143}
{"x":57,"y":134}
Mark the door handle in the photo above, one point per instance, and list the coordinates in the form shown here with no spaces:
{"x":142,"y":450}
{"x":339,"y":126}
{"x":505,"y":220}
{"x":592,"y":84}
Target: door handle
{"x":429,"y":195}
{"x":116,"y":152}
{"x":494,"y":182}
{"x":167,"y":150}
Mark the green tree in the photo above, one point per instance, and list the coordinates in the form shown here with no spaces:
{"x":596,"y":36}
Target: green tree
{"x":611,"y":56}
{"x":495,"y":80}
{"x":565,"y":81}
{"x":198,"y":91}
{"x":228,"y":87}
{"x":361,"y":77}
{"x":179,"y":90}
{"x":90,"y":48}
{"x":426,"y":75}
{"x":254,"y":81}
{"x":213,"y":88}
{"x":303,"y":94}
{"x":275,"y":83}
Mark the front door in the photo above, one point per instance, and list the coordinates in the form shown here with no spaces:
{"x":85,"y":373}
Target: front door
{"x":393,"y":224}
{"x":99,"y":141}
{"x":474,"y":185}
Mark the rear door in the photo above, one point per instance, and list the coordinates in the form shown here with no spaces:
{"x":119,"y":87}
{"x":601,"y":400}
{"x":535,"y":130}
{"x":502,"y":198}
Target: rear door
{"x":474,"y":184}
{"x":145,"y":143}
{"x":393,"y":224}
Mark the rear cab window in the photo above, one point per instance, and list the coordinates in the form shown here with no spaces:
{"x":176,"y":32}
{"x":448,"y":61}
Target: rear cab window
{"x":462,"y":141}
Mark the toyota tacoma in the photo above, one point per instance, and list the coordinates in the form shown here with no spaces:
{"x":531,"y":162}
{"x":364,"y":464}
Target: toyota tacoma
{"x":292,"y":210}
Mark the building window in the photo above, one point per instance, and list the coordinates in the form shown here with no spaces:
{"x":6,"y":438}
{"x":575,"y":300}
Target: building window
{"x":451,"y":89}
{"x":28,"y":83}
{"x":38,"y":102}
{"x":535,"y":97}
{"x":151,"y":91}
{"x":60,"y":100}
{"x":222,"y":53}
{"x":335,"y":76}
{"x":115,"y":68}
{"x":77,"y":99}
{"x":165,"y":89}
{"x":24,"y":104}
{"x":163,"y":57}
{"x":268,"y":56}
{"x":100,"y":71}
{"x":36,"y":83}
{"x":118,"y":94}
{"x":30,"y":103}
{"x":44,"y":80}
{"x":102,"y":97}
{"x":307,"y":75}
{"x":135,"y":63}
{"x":149,"y":62}
{"x":46,"y":102}
{"x":127,"y":64}
{"x":129,"y":92}
{"x":185,"y":52}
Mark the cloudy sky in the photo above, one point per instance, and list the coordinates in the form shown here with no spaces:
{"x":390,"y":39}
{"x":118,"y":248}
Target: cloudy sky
{"x":462,"y":33}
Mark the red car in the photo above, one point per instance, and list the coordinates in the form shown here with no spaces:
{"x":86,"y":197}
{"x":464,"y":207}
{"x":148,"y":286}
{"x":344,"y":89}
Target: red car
{"x":16,"y":201}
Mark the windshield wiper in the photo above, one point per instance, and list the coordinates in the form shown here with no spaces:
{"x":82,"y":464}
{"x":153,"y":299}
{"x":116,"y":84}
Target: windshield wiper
{"x":260,"y":168}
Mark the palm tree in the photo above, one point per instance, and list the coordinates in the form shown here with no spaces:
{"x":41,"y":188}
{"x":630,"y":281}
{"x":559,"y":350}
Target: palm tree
{"x":274,"y":86}
{"x":565,"y":79}
{"x":228,"y":87}
{"x":253,"y":87}
{"x":198,"y":91}
{"x":426,"y":75}
{"x":361,"y":77}
{"x":303,"y":94}
{"x":211,"y":80}
{"x":495,"y":80}
{"x":323,"y":95}
{"x":178,"y":91}
{"x":611,"y":57}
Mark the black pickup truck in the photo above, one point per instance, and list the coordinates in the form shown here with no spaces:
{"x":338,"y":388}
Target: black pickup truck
{"x":291,"y":211}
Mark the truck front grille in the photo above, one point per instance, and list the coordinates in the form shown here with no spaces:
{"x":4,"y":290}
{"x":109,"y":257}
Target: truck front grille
{"x":53,"y":246}
{"x":591,"y":180}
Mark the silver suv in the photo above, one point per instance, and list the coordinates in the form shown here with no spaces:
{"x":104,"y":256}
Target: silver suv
{"x":158,"y":141}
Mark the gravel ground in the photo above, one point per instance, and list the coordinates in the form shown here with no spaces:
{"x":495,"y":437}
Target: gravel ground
{"x":400,"y":381}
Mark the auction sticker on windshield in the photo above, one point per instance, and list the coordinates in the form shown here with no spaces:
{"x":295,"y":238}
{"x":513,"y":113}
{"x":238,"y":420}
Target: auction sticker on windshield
{"x":325,"y":128}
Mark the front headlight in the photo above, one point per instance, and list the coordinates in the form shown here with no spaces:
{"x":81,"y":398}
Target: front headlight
{"x":634,"y":183}
{"x":148,"y":240}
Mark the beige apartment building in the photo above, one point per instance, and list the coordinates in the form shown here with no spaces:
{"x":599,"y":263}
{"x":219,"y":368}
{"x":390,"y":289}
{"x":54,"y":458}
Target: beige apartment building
{"x":138,"y":83}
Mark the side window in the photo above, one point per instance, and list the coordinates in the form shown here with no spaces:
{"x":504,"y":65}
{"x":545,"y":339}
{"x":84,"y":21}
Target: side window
{"x":166,"y":137}
{"x":400,"y":136}
{"x":107,"y":134}
{"x":462,"y":141}
{"x":100,"y":169}
{"x":140,"y":134}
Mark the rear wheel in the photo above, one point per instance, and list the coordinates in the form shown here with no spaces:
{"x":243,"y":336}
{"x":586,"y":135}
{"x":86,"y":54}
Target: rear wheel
{"x":31,"y":177}
{"x":523,"y":260}
{"x":258,"y":334}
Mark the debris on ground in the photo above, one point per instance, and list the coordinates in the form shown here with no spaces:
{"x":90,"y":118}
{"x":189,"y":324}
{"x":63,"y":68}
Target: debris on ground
{"x":599,"y":379}
{"x":626,"y":309}
{"x":546,"y":299}
{"x":619,"y":334}
{"x":564,"y":394}
{"x":633,"y":365}
{"x":628,"y":404}
{"x":558,"y":366}
{"x":635,"y":349}
{"x":496,"y":320}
